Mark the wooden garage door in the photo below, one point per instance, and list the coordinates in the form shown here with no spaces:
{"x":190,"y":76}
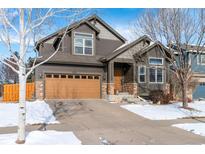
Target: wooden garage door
{"x":63,"y":86}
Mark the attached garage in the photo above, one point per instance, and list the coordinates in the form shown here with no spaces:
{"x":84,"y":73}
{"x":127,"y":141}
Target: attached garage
{"x":69,"y":86}
{"x":199,"y":92}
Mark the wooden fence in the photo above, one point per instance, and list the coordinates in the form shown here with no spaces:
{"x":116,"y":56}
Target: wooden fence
{"x":11,"y":92}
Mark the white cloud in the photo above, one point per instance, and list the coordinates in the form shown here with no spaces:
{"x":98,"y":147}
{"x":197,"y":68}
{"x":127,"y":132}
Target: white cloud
{"x":14,"y":39}
{"x":126,"y":31}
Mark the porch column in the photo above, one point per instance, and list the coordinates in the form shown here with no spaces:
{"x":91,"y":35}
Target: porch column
{"x":135,"y":86}
{"x":134,"y":72}
{"x":110,"y":85}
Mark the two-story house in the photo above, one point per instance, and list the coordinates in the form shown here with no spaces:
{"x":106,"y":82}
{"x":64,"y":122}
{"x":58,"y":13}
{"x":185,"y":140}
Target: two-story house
{"x":95,"y":62}
{"x":195,"y":58}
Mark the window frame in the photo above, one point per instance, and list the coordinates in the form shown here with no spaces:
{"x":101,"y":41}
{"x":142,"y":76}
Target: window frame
{"x":139,"y":74}
{"x":198,"y":59}
{"x":201,"y":59}
{"x":156,"y":58}
{"x":83,"y":46}
{"x":156,"y":82}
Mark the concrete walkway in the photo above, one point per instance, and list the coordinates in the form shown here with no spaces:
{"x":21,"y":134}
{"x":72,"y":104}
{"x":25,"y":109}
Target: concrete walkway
{"x":92,"y":119}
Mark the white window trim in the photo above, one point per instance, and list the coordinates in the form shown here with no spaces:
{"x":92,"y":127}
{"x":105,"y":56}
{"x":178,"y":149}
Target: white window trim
{"x":156,"y":58}
{"x":84,"y":44}
{"x":190,"y":59}
{"x":197,"y":58}
{"x":201,"y":59}
{"x":141,"y":74}
{"x":156,"y":82}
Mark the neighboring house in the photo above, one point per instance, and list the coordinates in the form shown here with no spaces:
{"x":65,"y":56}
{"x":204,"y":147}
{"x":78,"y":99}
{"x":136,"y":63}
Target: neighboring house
{"x":195,"y":56}
{"x":95,"y":62}
{"x":198,"y":68}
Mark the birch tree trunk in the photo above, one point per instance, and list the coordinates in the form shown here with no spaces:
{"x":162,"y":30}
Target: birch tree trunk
{"x":22,"y":83}
{"x":22,"y":107}
{"x":184,"y":94}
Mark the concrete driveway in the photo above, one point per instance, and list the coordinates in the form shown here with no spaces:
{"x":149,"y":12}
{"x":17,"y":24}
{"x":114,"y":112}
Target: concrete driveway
{"x":92,"y":119}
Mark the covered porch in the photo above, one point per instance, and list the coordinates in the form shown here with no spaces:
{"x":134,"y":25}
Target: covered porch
{"x":121,"y":78}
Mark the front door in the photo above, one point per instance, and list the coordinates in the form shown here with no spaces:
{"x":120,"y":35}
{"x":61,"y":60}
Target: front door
{"x":118,"y":80}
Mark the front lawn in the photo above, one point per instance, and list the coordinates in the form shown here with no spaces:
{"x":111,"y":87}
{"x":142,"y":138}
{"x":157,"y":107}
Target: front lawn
{"x":43,"y":137}
{"x":167,"y":112}
{"x":196,"y":128}
{"x":37,"y":112}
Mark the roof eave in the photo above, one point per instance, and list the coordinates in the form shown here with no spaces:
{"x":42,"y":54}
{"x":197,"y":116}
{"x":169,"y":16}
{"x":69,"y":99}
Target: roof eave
{"x":108,"y":26}
{"x":121,"y":50}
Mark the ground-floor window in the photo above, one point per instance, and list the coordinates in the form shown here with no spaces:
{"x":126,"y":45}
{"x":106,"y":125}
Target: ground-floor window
{"x":156,"y":75}
{"x":142,"y":74}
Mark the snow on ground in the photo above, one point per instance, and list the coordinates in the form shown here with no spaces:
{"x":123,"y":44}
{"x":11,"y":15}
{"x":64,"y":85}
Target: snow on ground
{"x":37,"y":112}
{"x":196,"y":128}
{"x":43,"y":137}
{"x":167,"y":112}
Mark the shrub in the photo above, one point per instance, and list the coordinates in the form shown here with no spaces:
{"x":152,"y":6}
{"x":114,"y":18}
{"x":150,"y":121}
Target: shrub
{"x":166,"y":98}
{"x":159,"y":96}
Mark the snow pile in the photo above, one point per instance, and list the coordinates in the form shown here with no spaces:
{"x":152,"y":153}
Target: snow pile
{"x":167,"y":112}
{"x":196,"y":128}
{"x":37,"y":112}
{"x":43,"y":137}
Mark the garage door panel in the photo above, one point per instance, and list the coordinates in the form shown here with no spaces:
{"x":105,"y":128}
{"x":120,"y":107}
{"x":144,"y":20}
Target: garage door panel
{"x":199,"y":91}
{"x":68,"y":88}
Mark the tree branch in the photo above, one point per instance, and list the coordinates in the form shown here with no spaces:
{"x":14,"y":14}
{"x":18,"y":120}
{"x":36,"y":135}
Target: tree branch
{"x":9,"y":65}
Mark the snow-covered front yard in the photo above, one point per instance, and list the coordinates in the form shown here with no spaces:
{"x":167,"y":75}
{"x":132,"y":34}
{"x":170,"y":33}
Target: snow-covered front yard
{"x":43,"y":137}
{"x":167,"y":112}
{"x":37,"y":112}
{"x":196,"y":128}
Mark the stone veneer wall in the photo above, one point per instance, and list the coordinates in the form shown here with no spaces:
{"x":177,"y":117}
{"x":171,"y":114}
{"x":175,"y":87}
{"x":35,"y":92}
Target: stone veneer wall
{"x":190,"y":92}
{"x":178,"y":94}
{"x":110,"y":88}
{"x":39,"y":90}
{"x":104,"y":90}
{"x":131,"y":88}
{"x":167,"y":88}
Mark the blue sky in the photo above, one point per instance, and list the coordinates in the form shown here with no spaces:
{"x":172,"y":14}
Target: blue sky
{"x":118,"y":18}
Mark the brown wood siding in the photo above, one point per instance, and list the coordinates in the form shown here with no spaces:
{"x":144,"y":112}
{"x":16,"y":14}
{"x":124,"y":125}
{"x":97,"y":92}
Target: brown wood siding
{"x":145,"y":88}
{"x":102,"y":47}
{"x":72,"y":87}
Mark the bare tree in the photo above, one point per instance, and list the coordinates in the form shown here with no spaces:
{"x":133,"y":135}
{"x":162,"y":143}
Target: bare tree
{"x":2,"y":75}
{"x":177,"y":29}
{"x":7,"y":74}
{"x":25,"y":26}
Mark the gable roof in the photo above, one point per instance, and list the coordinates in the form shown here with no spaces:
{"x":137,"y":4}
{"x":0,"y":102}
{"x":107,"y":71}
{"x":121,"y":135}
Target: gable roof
{"x":71,"y":26}
{"x":113,"y":31}
{"x":152,"y":45}
{"x":77,"y":24}
{"x":124,"y":48}
{"x":189,"y":47}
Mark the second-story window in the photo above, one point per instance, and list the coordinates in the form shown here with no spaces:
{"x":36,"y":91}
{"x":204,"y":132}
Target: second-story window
{"x":83,"y":44}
